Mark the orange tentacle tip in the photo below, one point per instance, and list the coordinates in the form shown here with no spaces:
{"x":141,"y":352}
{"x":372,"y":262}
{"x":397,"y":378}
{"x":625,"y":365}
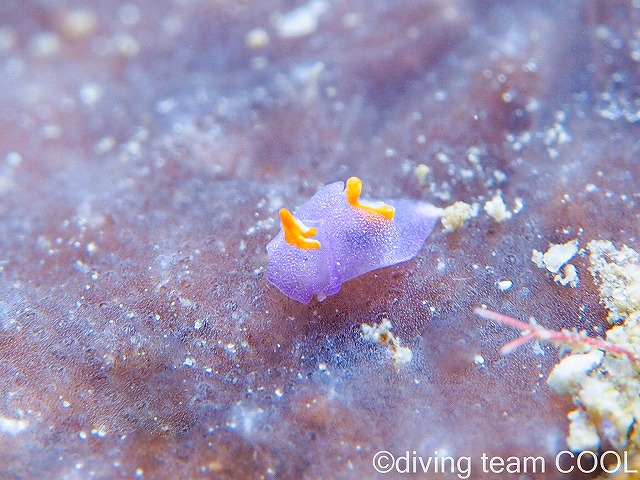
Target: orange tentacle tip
{"x":297,"y":233}
{"x":352,"y":192}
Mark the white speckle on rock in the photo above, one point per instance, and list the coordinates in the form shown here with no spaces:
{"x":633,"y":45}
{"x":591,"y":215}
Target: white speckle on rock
{"x":100,"y":431}
{"x":189,"y":362}
{"x":79,"y":23}
{"x":351,"y":19}
{"x":125,"y":45}
{"x":13,"y":159}
{"x":537,"y":257}
{"x":301,"y":21}
{"x":422,"y":172}
{"x":91,"y":93}
{"x":12,"y":426}
{"x":257,"y":38}
{"x":8,"y":38}
{"x":518,"y":205}
{"x":45,"y":44}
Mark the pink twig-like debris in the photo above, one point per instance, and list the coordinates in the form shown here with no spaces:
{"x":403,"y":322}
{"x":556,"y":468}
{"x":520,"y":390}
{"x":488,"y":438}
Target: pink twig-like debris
{"x":537,"y":332}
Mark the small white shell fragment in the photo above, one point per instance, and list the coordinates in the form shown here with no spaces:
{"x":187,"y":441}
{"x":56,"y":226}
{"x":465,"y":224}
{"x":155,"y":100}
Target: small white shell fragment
{"x":569,"y":276}
{"x":572,"y":369}
{"x":537,"y":257}
{"x":497,"y":209}
{"x":79,"y":23}
{"x":556,"y":255}
{"x":519,"y":205}
{"x":505,"y":285}
{"x":189,"y":362}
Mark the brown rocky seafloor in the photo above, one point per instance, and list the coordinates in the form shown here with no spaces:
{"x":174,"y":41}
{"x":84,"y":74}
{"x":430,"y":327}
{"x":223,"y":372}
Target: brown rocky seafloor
{"x":146,"y":148}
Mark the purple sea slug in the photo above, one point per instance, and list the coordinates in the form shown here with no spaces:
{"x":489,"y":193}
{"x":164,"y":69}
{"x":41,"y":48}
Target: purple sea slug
{"x":335,"y":237}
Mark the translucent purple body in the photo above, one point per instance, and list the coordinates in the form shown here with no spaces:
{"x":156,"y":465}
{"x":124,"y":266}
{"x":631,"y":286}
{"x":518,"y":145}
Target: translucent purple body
{"x":353,"y":242}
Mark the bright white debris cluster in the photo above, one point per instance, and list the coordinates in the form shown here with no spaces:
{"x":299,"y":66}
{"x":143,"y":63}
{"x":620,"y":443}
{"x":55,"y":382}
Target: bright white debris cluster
{"x":381,"y":334}
{"x":456,"y":215}
{"x":618,"y":275}
{"x":558,"y":255}
{"x":301,"y":21}
{"x":605,"y":387}
{"x":555,"y":258}
{"x":572,"y":370}
{"x":556,"y":135}
{"x":497,"y":209}
{"x":257,"y":38}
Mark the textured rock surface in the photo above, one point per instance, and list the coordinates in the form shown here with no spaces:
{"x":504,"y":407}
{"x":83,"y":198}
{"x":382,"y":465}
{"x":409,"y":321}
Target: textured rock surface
{"x":145,"y":151}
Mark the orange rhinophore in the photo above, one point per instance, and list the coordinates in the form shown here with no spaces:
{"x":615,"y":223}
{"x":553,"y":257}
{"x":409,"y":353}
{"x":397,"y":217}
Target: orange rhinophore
{"x":297,"y":233}
{"x":352,"y":192}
